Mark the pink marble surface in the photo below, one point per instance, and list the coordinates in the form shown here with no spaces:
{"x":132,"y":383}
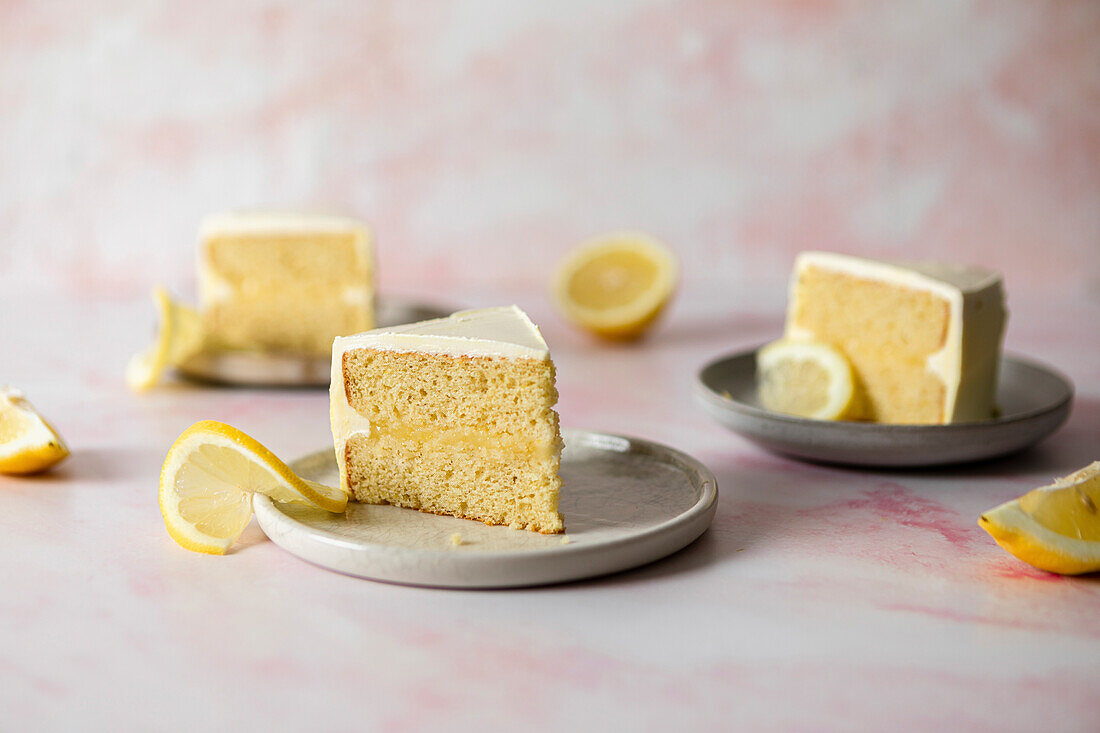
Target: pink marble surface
{"x":820,"y":598}
{"x":481,"y":140}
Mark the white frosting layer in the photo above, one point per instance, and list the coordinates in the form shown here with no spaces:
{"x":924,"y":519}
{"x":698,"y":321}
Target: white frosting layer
{"x":251,"y":222}
{"x":943,"y":278}
{"x":969,"y":360}
{"x":504,"y":332}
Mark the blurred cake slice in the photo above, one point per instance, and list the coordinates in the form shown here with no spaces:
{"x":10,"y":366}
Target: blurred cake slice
{"x":924,"y":339}
{"x":451,"y":416}
{"x":284,"y":282}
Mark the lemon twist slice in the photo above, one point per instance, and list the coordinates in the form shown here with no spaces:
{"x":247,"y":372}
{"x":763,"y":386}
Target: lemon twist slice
{"x":1055,"y":527}
{"x":28,"y":444}
{"x":617,"y":284}
{"x":180,"y":335}
{"x":807,"y":379}
{"x":209,"y":477}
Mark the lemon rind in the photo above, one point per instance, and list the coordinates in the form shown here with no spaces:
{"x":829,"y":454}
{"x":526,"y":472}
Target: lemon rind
{"x":174,"y":343}
{"x":212,"y":432}
{"x":1021,"y":536}
{"x":38,"y":448}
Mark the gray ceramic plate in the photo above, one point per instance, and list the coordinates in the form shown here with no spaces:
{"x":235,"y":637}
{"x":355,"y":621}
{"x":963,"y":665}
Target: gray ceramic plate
{"x":1034,"y":401}
{"x":267,"y":369}
{"x":626,"y":502}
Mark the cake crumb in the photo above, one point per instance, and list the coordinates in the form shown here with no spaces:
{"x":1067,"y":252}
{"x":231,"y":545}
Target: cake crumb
{"x":456,"y":539}
{"x":565,"y":540}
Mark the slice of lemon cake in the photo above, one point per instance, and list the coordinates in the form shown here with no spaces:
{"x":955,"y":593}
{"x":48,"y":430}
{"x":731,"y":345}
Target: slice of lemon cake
{"x":924,"y":340}
{"x":451,"y":416}
{"x":284,"y":282}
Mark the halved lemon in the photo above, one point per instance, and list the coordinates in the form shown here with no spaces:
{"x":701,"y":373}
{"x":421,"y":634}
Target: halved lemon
{"x":807,"y":379}
{"x":209,"y":477}
{"x":1056,"y":527}
{"x":28,"y":444}
{"x":180,"y":335}
{"x":616,"y":285}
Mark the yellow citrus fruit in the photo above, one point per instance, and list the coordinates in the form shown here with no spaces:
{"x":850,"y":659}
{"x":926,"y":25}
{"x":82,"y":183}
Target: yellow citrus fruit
{"x":616,"y":285}
{"x":28,"y":444}
{"x":179,"y":336}
{"x":1055,"y":527}
{"x":807,"y":379}
{"x":209,"y":477}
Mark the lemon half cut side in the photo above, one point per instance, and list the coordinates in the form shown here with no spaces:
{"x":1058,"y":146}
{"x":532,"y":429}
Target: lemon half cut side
{"x":616,"y":285}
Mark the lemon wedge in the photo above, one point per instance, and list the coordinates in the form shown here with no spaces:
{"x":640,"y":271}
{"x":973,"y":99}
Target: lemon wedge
{"x":209,"y":477}
{"x":28,"y":444}
{"x":807,"y":379}
{"x":616,"y":285}
{"x":1056,"y":527}
{"x":180,"y":335}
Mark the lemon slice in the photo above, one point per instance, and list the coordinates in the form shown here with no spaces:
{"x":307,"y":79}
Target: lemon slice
{"x":617,"y":284}
{"x":180,"y":336}
{"x":1054,"y":528}
{"x":807,"y":379}
{"x":209,"y":477}
{"x":28,"y":444}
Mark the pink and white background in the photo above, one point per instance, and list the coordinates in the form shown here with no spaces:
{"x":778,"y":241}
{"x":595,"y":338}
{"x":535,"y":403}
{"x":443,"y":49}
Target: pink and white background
{"x":481,"y":140}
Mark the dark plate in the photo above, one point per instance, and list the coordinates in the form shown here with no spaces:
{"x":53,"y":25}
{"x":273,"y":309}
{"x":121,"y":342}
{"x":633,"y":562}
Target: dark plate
{"x":1034,"y":400}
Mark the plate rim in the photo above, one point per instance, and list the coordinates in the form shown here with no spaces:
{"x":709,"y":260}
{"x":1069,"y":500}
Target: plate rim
{"x":704,"y":391}
{"x":693,"y":522}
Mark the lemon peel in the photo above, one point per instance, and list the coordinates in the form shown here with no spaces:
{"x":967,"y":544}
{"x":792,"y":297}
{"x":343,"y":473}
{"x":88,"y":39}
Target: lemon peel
{"x":28,"y":443}
{"x":180,"y":335}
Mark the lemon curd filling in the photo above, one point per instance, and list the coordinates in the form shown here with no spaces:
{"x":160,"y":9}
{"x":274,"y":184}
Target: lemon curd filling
{"x":419,"y":438}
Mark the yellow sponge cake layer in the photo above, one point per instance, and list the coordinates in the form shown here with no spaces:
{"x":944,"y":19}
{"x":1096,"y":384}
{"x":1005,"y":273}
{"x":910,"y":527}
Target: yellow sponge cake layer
{"x":284,"y":282}
{"x":453,"y":416}
{"x":924,"y":340}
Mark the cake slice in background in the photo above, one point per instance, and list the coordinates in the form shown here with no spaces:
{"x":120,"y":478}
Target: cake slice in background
{"x":924,"y":340}
{"x":284,"y":282}
{"x":451,"y":416}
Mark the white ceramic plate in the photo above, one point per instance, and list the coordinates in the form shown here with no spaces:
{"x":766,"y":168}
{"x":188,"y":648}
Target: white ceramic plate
{"x":626,"y":502}
{"x":269,"y":369}
{"x":1034,"y":401}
